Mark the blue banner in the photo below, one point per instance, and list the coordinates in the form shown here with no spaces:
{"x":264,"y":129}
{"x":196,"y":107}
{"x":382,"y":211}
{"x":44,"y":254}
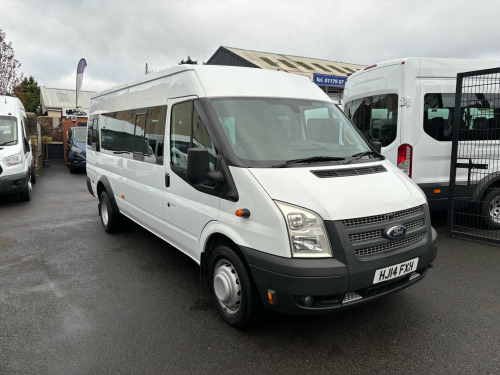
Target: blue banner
{"x":326,"y":80}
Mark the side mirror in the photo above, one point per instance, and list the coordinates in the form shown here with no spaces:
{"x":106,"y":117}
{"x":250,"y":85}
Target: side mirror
{"x":377,"y":146}
{"x":198,"y":167}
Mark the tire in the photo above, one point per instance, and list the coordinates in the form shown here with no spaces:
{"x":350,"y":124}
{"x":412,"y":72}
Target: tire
{"x":72,"y":170}
{"x":26,"y":193}
{"x":110,"y":219}
{"x":33,"y":174}
{"x":490,"y":209}
{"x":233,"y":291}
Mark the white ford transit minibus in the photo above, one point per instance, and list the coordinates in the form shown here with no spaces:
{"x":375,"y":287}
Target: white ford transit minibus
{"x":408,"y":105}
{"x":260,"y":179}
{"x":16,"y":162}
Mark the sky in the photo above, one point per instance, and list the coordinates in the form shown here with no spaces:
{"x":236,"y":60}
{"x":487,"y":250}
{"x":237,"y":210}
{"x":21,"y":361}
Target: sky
{"x":118,"y":37}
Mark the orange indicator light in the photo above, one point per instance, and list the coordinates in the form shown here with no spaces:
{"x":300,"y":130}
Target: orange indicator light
{"x":270,"y":297}
{"x":242,"y":212}
{"x":437,"y":191}
{"x":123,"y":196}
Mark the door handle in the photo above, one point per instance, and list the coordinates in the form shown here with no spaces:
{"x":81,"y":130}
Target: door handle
{"x":167,"y":180}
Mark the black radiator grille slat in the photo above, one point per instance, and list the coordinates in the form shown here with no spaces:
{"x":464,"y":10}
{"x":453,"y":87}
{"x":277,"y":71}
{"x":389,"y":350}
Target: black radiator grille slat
{"x":381,"y":218}
{"x":388,"y":246}
{"x":349,"y":172}
{"x":356,"y":237}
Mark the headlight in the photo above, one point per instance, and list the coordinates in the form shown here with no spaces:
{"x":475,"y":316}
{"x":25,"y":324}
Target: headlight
{"x":307,"y":233}
{"x":13,"y":159}
{"x":76,"y":150}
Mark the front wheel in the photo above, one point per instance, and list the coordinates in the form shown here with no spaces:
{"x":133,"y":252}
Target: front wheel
{"x":490,"y":209}
{"x":26,"y":193}
{"x":233,"y":290}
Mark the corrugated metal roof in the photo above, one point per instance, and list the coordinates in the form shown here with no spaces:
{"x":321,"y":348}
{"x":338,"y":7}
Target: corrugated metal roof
{"x":274,"y":61}
{"x":63,"y":98}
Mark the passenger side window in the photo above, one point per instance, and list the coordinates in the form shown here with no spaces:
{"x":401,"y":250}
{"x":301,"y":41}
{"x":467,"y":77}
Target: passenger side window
{"x":155,"y":130}
{"x":139,"y":139}
{"x":180,"y":133}
{"x":188,"y":130}
{"x":113,"y":128}
{"x":90,"y":126}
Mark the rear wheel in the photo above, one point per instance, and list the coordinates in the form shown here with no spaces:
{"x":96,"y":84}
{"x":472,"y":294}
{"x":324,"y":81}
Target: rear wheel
{"x":110,"y":219}
{"x":490,"y":209}
{"x":233,"y":290}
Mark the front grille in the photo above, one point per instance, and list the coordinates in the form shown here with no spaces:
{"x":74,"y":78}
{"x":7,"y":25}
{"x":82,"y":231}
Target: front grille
{"x":388,"y":246}
{"x":382,"y":218}
{"x":367,"y":237}
{"x":356,"y":237}
{"x":348,"y":172}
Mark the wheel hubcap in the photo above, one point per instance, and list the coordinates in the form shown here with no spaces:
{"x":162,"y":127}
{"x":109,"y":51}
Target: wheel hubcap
{"x":227,"y":286}
{"x":104,"y":212}
{"x":495,"y":209}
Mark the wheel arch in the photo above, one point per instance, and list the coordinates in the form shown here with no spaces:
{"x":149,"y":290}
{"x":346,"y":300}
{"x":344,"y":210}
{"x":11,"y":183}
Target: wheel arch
{"x":488,"y":182}
{"x":214,"y":240}
{"x":104,"y":185}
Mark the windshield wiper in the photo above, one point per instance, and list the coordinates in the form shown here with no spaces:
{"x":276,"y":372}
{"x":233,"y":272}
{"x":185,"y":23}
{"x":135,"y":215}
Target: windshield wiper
{"x":6,"y":143}
{"x":312,"y":159}
{"x":364,"y":153}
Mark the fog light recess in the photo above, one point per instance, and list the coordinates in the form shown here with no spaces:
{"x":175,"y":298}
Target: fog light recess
{"x":305,"y":301}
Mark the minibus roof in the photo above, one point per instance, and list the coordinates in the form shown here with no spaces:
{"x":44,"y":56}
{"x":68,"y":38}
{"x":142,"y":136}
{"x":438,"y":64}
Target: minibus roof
{"x":12,"y":106}
{"x":432,"y":67}
{"x":211,"y":81}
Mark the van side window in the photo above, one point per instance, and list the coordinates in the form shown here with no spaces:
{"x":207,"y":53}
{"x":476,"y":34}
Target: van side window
{"x":155,"y":130}
{"x":113,"y":128}
{"x":95,"y":135}
{"x":187,"y":131}
{"x":128,"y":119}
{"x":139,"y":139}
{"x":376,"y":117}
{"x":90,"y":125}
{"x":180,"y":133}
{"x":478,"y":120}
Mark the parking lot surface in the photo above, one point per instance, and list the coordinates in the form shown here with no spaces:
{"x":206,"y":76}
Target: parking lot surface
{"x":76,"y":300}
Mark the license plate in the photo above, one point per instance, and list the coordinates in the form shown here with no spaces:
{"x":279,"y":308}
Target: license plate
{"x":394,"y":271}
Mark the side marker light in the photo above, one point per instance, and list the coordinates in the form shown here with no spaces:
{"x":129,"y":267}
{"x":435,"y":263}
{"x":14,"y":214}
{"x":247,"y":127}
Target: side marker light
{"x":272,"y":297}
{"x":437,"y":191}
{"x":242,"y":212}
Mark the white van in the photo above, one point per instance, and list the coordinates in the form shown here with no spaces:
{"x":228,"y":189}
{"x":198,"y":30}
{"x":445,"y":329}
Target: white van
{"x":16,"y":161}
{"x":264,"y":183}
{"x":408,"y":106}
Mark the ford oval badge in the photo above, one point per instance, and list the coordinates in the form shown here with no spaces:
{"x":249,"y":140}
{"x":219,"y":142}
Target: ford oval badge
{"x":397,"y":231}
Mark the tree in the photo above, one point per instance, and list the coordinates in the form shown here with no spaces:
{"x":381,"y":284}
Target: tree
{"x":188,"y":61}
{"x":8,"y":67}
{"x":29,"y":94}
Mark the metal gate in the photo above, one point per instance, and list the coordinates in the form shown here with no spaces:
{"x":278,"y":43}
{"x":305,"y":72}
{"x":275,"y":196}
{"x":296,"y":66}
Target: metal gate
{"x":474,"y":204}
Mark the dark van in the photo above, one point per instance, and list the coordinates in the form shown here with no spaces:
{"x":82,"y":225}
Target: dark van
{"x":76,"y":151}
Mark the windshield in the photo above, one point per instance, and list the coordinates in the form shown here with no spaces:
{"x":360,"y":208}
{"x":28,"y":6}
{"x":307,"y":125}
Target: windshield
{"x":266,"y":131}
{"x":8,"y":130}
{"x":80,"y":134}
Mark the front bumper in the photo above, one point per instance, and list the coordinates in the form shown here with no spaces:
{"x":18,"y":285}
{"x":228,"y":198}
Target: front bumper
{"x":341,"y":282}
{"x":77,"y":161}
{"x":13,"y":184}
